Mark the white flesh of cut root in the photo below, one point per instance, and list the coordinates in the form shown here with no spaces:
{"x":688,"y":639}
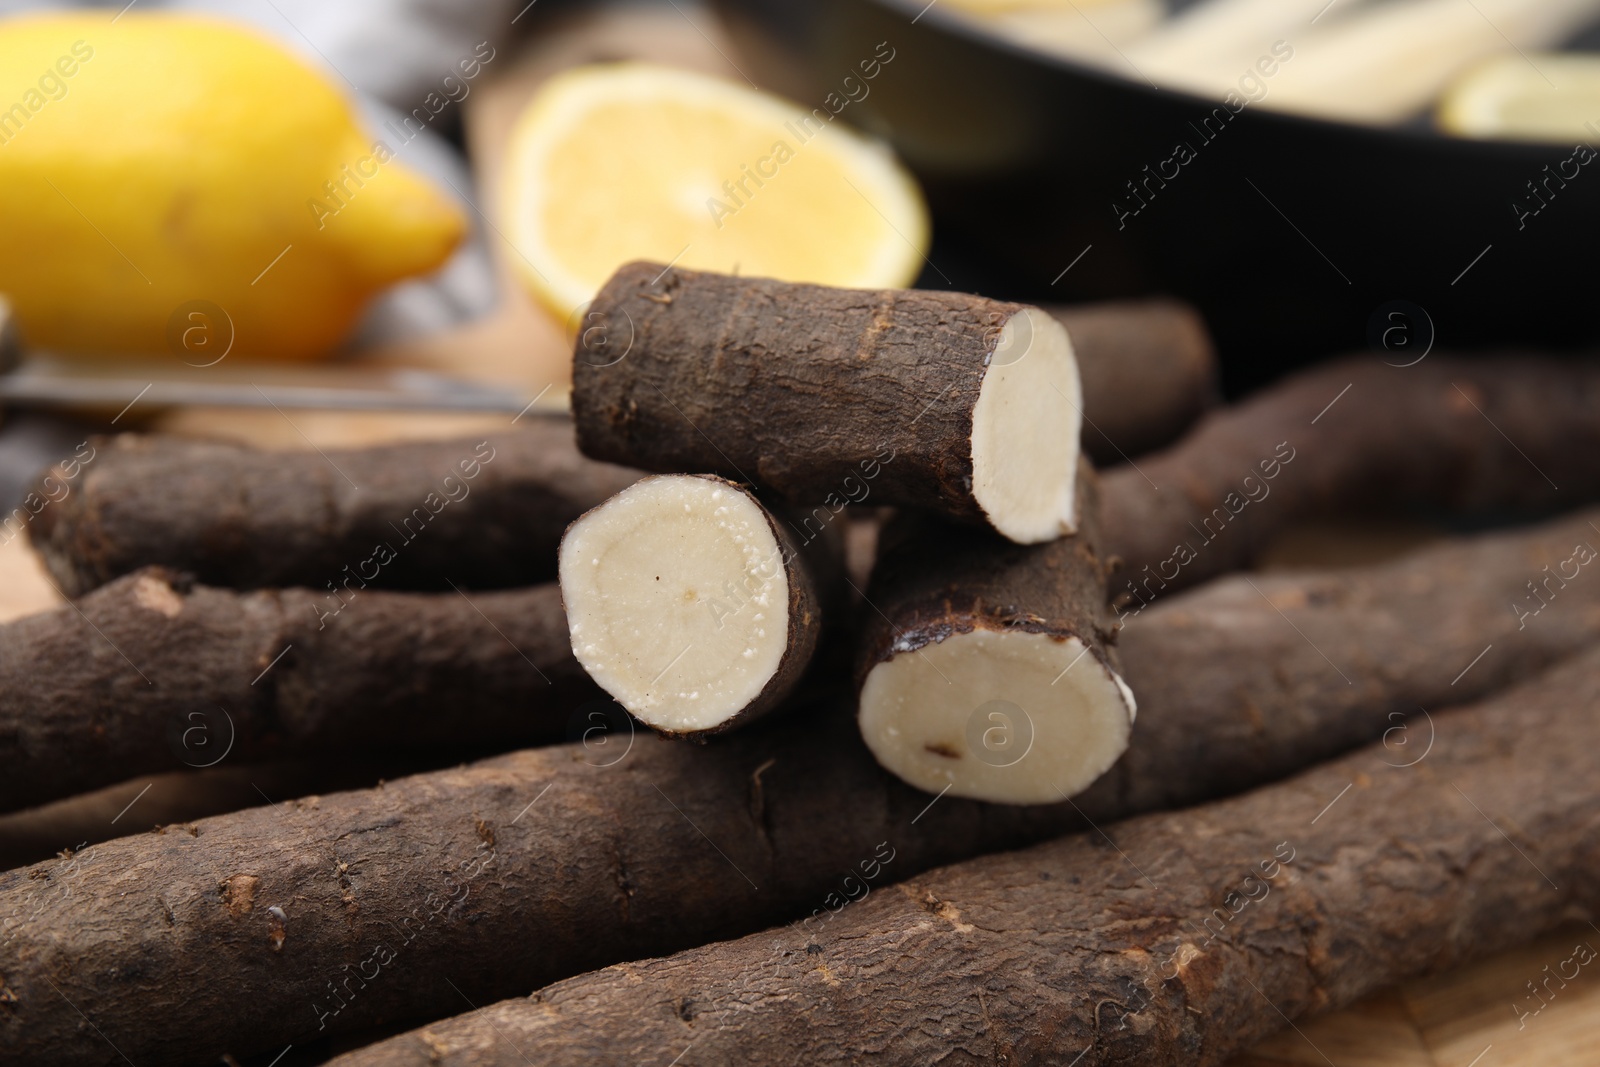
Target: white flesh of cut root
{"x":1010,"y":717}
{"x":677,"y":600}
{"x":1025,"y":428}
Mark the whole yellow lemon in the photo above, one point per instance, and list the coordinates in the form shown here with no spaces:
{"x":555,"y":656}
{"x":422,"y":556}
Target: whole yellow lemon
{"x":160,"y":162}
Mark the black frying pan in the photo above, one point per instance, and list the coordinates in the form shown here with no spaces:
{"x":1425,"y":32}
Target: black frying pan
{"x":1022,"y":156}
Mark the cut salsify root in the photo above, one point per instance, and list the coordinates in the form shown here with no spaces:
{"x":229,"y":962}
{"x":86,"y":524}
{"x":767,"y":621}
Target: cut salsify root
{"x":1007,"y":716}
{"x":989,"y":671}
{"x":253,"y":518}
{"x":951,"y":403}
{"x":688,"y":603}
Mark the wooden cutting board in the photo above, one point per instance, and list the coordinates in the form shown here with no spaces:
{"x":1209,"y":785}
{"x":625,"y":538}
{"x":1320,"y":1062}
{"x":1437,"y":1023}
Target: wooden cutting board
{"x":1462,"y":1019}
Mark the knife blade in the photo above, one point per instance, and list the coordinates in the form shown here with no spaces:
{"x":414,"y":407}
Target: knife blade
{"x":33,"y":379}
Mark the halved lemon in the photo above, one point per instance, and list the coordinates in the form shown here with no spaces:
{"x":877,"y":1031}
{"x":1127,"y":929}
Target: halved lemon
{"x":1554,"y":98}
{"x":618,"y":162}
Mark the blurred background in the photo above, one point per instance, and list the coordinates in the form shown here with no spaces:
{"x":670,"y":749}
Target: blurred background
{"x":1295,"y":167}
{"x":1298,"y":168}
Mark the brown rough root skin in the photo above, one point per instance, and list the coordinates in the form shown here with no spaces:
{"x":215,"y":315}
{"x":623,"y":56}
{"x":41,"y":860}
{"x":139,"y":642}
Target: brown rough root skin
{"x":153,"y":672}
{"x":36,"y":834}
{"x":1194,"y":934}
{"x":1453,"y":434}
{"x":792,"y":386}
{"x":246,"y":518}
{"x":1148,"y":370}
{"x":1231,"y":692}
{"x":611,"y":864}
{"x":932,"y":581}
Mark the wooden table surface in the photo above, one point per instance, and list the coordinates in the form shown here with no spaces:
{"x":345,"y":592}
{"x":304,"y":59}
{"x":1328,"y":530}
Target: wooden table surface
{"x":1467,"y":1018}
